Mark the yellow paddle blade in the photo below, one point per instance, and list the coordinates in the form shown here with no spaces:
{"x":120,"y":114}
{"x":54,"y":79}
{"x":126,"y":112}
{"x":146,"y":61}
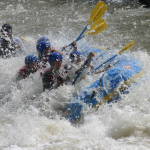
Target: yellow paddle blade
{"x":128,"y":46}
{"x":97,"y":27}
{"x":24,"y":39}
{"x":97,"y":12}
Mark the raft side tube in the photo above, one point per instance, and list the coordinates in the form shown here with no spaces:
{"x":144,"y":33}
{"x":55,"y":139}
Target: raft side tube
{"x":114,"y":82}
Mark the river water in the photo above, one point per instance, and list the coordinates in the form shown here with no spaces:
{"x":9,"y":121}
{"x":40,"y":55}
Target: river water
{"x":29,"y":117}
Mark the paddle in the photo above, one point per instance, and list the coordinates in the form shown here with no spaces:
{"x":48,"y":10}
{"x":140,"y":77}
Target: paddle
{"x":96,"y":13}
{"x":87,"y":61}
{"x":128,"y":46}
{"x":24,"y":39}
{"x":96,"y":27}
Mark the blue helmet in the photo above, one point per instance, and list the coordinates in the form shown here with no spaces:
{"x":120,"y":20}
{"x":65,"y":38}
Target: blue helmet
{"x":74,"y":53}
{"x":30,"y":59}
{"x":54,"y":56}
{"x":42,"y":39}
{"x":42,"y":46}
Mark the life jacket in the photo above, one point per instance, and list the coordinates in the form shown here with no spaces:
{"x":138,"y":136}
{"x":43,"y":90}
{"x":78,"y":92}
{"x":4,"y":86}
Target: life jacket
{"x":7,"y":49}
{"x":52,"y":80}
{"x":25,"y":72}
{"x":44,"y":59}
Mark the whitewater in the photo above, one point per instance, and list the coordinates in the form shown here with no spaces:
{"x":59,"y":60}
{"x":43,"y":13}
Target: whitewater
{"x":30,"y":119}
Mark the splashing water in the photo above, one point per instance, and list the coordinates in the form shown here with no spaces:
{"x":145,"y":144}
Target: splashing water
{"x":30,"y":118}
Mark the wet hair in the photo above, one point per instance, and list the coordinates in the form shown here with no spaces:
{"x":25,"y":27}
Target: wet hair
{"x":7,"y":28}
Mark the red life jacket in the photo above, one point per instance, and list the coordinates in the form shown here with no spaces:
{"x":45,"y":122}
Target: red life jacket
{"x":52,"y":80}
{"x":60,"y":81}
{"x":44,"y":59}
{"x":24,"y":72}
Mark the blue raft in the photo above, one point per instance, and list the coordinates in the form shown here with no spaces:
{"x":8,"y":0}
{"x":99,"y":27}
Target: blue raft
{"x":109,"y":86}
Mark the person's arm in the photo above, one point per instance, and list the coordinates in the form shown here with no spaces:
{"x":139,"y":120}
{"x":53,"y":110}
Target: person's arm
{"x":22,"y":74}
{"x":59,"y":52}
{"x":54,"y":50}
{"x":46,"y":81}
{"x":73,"y":44}
{"x":19,"y":44}
{"x":18,"y":77}
{"x":106,"y":68}
{"x":91,"y":66}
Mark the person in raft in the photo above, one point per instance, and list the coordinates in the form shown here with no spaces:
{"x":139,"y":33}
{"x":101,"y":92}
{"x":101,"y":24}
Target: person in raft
{"x":77,"y":62}
{"x":56,"y":76}
{"x":9,"y":45}
{"x":31,"y":66}
{"x":44,"y":49}
{"x":52,"y":78}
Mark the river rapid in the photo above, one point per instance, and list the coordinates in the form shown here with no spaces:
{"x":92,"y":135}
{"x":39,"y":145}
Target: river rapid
{"x":30,"y":118}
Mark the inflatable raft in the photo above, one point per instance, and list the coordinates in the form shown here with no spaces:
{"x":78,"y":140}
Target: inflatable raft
{"x":108,"y":87}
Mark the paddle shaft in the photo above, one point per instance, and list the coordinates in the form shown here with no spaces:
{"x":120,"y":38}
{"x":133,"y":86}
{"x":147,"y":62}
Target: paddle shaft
{"x":79,"y":37}
{"x":96,"y":13}
{"x":96,"y":27}
{"x":81,"y":71}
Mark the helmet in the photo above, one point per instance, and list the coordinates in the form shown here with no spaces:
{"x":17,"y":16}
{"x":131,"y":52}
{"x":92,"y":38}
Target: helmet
{"x":30,"y":59}
{"x":7,"y":28}
{"x":42,"y":46}
{"x":54,"y":56}
{"x":74,"y":53}
{"x":42,"y":39}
